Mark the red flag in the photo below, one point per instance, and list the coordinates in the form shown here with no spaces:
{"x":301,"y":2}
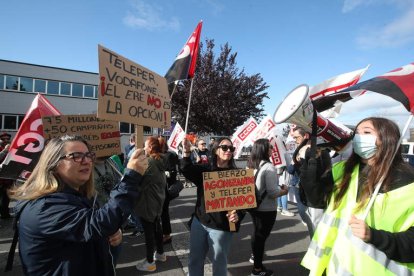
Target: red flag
{"x":185,"y":63}
{"x":28,"y":143}
{"x":397,"y":84}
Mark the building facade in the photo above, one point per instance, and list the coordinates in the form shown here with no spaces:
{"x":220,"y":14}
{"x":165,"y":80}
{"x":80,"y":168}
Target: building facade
{"x":70,"y":91}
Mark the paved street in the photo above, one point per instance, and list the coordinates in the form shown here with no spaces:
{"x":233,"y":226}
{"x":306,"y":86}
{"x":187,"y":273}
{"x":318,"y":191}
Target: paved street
{"x":284,"y":248}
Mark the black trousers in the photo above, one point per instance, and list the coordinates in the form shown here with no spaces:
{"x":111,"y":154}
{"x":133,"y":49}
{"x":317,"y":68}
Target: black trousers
{"x":165,"y":216}
{"x":153,"y":236}
{"x":263,"y":223}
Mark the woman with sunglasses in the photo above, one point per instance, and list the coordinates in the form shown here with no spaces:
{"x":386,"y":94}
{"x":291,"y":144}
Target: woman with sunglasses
{"x":209,"y":231}
{"x":61,"y":232}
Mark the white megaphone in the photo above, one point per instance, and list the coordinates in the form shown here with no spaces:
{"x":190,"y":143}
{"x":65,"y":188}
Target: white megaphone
{"x":297,"y":108}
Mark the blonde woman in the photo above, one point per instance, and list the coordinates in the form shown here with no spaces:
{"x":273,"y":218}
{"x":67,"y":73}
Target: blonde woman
{"x":60,"y":230}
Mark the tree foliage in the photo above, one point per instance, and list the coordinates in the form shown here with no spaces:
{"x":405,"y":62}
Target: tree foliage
{"x":223,"y":96}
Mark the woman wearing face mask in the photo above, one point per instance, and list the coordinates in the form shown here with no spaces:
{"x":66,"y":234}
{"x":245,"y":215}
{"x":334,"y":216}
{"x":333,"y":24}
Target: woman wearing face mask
{"x":383,"y":244}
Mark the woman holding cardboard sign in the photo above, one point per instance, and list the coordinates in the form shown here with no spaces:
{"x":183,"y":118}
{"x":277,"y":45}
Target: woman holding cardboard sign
{"x":209,"y":231}
{"x":264,"y":216}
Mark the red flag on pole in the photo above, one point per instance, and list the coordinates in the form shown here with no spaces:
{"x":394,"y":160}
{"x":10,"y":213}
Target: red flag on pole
{"x":28,"y":143}
{"x":185,"y":63}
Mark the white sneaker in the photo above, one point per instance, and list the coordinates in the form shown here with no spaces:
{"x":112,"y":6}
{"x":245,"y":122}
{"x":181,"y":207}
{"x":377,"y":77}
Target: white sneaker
{"x":287,"y":213}
{"x":146,"y":266}
{"x":160,"y":257}
{"x":279,"y":209}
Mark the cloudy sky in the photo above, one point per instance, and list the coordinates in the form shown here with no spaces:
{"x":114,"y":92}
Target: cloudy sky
{"x":287,"y":42}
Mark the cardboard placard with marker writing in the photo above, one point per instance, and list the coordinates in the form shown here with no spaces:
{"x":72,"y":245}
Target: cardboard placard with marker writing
{"x":102,"y":135}
{"x":229,"y":190}
{"x":129,"y":92}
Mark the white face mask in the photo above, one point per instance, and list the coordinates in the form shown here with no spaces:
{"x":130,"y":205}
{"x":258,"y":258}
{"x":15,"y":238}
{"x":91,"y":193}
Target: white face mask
{"x":364,"y":145}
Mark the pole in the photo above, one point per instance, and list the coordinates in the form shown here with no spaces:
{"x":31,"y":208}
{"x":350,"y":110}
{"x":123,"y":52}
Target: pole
{"x":188,"y":107}
{"x":377,"y":188}
{"x":175,"y":86}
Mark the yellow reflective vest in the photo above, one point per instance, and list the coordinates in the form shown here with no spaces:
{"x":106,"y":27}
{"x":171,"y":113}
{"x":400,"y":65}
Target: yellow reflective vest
{"x":335,"y":250}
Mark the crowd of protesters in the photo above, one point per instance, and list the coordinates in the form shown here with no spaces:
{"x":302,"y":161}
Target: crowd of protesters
{"x":74,"y":207}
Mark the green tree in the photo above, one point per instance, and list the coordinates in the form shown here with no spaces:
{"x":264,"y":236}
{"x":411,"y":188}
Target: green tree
{"x":223,"y":96}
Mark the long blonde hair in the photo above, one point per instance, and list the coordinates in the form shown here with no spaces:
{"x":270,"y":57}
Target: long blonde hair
{"x":43,"y":180}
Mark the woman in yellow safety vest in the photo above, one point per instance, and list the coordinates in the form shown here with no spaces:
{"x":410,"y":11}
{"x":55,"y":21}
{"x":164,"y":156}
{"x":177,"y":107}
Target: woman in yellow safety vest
{"x":383,"y":244}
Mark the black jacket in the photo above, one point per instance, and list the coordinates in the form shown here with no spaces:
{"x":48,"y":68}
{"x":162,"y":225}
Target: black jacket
{"x":216,"y":220}
{"x":63,"y":234}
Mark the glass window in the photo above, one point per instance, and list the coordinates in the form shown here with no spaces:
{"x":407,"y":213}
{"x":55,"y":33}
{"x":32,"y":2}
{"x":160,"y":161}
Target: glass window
{"x":1,"y":81}
{"x":40,"y":86}
{"x":26,"y":84}
{"x":89,"y":91}
{"x":1,"y":121}
{"x":21,"y":117}
{"x":53,"y":87}
{"x":132,"y":128}
{"x":124,"y":127}
{"x":96,"y":92}
{"x":65,"y":88}
{"x":10,"y":122}
{"x":12,"y":82}
{"x":405,"y":148}
{"x":77,"y":90}
{"x":147,"y":130}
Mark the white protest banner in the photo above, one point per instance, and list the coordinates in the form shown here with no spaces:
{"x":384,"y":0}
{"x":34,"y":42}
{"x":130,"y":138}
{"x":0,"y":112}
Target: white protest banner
{"x":176,"y":137}
{"x":129,"y":92}
{"x":265,"y":126}
{"x":279,"y":150}
{"x":242,"y":136}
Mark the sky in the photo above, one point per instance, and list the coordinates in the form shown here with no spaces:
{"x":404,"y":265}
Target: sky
{"x":288,"y":42}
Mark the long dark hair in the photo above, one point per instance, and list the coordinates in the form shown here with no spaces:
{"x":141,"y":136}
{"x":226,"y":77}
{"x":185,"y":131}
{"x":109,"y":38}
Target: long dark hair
{"x":381,"y":166}
{"x":259,"y":153}
{"x":232,"y":164}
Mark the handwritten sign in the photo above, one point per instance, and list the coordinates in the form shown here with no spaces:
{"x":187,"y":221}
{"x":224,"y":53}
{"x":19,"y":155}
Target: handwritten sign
{"x":103,"y":136}
{"x":129,"y":92}
{"x":229,"y":190}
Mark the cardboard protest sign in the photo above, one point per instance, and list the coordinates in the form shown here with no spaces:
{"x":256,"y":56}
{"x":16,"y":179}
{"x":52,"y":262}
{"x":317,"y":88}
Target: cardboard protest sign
{"x":242,"y":136}
{"x":102,"y":135}
{"x":129,"y":92}
{"x":229,"y":190}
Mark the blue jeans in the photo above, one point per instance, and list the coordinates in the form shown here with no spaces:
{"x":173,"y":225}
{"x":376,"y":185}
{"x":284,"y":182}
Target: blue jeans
{"x":203,"y":239}
{"x":282,"y":202}
{"x":303,"y":211}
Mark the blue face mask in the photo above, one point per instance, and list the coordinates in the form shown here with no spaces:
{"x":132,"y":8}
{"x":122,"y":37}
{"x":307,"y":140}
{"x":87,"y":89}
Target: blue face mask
{"x":364,"y":145}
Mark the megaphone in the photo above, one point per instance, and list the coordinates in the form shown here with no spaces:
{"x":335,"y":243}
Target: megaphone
{"x":297,"y":108}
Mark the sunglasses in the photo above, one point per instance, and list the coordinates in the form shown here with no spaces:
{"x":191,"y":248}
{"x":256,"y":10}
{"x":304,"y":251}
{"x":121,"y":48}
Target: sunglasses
{"x":79,"y":157}
{"x":226,"y":148}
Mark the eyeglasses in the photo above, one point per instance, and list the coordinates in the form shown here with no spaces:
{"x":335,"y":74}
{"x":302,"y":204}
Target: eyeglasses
{"x":226,"y":148}
{"x":79,"y":157}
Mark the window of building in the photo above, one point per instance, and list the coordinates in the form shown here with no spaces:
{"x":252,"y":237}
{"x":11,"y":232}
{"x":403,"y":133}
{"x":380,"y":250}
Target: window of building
{"x":147,"y":130}
{"x":40,"y":86}
{"x":1,"y":81}
{"x":96,"y":92}
{"x":89,"y":91}
{"x":10,"y":122}
{"x":53,"y":87}
{"x":21,"y":117}
{"x":77,"y":90}
{"x":12,"y":82}
{"x":124,"y":128}
{"x":26,"y":84}
{"x":65,"y":88}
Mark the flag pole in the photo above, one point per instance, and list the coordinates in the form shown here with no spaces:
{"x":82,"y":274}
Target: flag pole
{"x":175,"y":86}
{"x":377,"y":188}
{"x":188,"y":107}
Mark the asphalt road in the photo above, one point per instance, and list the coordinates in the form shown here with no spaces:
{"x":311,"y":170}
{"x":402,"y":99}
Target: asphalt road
{"x":284,"y":248}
